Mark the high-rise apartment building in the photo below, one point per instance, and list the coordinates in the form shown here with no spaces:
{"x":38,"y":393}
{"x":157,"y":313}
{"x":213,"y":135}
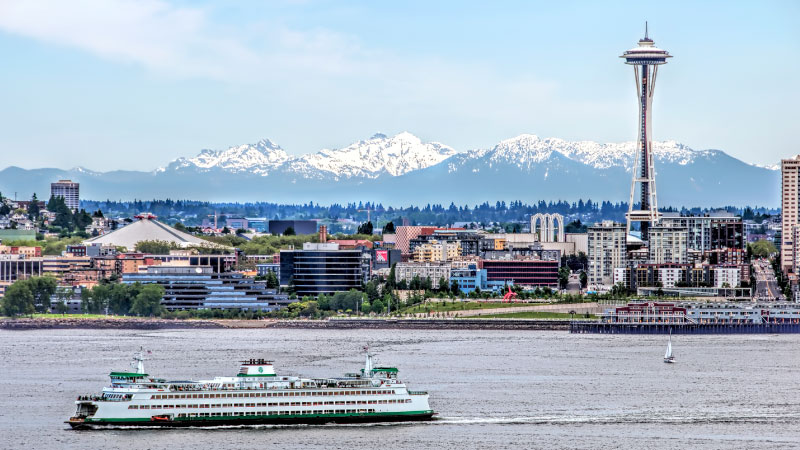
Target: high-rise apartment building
{"x":607,"y":251}
{"x":790,"y":198}
{"x":668,"y":245}
{"x":711,"y":231}
{"x":68,"y":189}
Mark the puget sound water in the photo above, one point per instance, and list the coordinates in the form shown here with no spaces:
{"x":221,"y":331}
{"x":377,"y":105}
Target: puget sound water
{"x":492,"y":389}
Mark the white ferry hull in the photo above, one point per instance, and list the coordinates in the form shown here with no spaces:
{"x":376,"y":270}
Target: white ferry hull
{"x":256,"y":396}
{"x":306,"y":419}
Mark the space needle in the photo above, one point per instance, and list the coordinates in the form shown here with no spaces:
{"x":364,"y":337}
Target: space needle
{"x":645,"y":60}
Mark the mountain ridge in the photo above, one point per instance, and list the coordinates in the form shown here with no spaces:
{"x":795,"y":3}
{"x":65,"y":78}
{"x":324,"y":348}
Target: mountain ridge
{"x":402,"y":168}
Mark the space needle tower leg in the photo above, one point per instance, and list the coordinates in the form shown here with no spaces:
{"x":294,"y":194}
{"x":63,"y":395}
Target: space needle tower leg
{"x":645,"y":60}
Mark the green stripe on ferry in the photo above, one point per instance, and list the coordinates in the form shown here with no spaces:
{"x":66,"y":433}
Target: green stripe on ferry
{"x":256,"y":375}
{"x":273,"y":416}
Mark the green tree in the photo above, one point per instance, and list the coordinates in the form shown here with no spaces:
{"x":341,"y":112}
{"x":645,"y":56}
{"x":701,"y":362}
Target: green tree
{"x":365,"y":228}
{"x":575,"y":227}
{"x":18,"y":299}
{"x":388,"y":228}
{"x":427,"y":284}
{"x":63,"y":220}
{"x":309,"y":309}
{"x":148,"y":301}
{"x":155,"y":247}
{"x":289,"y":231}
{"x":391,"y":281}
{"x":33,"y":207}
{"x":371,"y":288}
{"x":454,"y":289}
{"x":62,"y":296}
{"x":563,"y":277}
{"x":95,"y":300}
{"x":42,"y":289}
{"x":81,"y":220}
{"x":377,"y":306}
{"x":323,"y":302}
{"x":443,"y":285}
{"x":762,"y":248}
{"x":387,"y":300}
{"x":61,"y":307}
{"x":272,"y":280}
{"x":120,"y":297}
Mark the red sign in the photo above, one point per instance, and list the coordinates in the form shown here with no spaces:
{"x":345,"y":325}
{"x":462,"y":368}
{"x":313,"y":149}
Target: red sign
{"x":382,"y":256}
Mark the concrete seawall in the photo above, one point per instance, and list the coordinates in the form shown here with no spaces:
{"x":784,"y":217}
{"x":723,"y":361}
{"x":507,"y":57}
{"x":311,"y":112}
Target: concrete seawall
{"x":408,"y":324}
{"x":428,"y":324}
{"x":104,"y":324}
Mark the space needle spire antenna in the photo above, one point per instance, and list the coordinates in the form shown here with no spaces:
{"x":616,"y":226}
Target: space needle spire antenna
{"x":645,"y":59}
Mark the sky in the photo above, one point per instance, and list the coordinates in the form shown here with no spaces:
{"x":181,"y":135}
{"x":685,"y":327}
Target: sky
{"x":120,"y":84}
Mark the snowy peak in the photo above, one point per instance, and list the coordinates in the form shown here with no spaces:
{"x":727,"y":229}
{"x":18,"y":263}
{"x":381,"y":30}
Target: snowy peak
{"x":528,"y":149}
{"x":378,"y":155}
{"x":393,"y":156}
{"x":261,"y":158}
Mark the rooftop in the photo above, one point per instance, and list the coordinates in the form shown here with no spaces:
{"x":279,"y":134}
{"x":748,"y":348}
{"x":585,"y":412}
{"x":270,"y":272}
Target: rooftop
{"x":149,"y":229}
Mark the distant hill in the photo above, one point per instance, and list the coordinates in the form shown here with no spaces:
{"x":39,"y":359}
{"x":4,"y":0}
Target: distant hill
{"x":401,"y":170}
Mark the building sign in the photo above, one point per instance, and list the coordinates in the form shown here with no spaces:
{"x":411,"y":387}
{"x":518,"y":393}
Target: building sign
{"x":382,"y":256}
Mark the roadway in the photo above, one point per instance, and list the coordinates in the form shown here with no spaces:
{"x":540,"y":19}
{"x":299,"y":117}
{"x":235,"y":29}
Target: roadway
{"x":767,"y":287}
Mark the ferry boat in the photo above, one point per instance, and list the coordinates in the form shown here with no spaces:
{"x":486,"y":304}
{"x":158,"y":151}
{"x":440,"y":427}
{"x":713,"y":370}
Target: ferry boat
{"x":256,"y":395}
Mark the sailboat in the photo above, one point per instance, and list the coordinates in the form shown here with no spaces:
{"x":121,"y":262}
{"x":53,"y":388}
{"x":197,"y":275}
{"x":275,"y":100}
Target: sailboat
{"x":668,"y":358}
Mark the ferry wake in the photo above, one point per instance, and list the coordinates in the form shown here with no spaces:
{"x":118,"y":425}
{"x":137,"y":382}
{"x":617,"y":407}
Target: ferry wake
{"x":256,"y":396}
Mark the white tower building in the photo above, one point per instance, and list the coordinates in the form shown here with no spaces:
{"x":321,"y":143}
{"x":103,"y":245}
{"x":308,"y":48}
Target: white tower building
{"x":645,"y":60}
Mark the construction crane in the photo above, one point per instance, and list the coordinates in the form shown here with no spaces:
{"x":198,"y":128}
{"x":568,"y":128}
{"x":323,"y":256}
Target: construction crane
{"x":215,"y":215}
{"x":368,"y":210}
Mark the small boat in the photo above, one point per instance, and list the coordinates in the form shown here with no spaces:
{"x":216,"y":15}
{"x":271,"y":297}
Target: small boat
{"x":668,"y":357}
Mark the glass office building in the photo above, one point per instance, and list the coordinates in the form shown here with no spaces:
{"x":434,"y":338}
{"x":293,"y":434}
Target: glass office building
{"x":324,"y":269}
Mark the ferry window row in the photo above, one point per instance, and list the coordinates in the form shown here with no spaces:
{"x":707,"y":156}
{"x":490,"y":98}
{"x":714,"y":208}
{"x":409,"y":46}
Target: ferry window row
{"x":272,"y":394}
{"x":277,"y":413}
{"x":262,"y":405}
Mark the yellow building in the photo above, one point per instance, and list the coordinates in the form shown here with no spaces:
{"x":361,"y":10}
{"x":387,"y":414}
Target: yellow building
{"x":435,"y":251}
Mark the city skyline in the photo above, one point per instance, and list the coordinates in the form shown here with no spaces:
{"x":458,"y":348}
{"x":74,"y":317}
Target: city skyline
{"x":169,"y":79}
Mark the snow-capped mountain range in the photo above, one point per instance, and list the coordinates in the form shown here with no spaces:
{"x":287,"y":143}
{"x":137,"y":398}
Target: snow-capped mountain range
{"x":397,"y":155}
{"x":379,"y":155}
{"x":402,"y":169}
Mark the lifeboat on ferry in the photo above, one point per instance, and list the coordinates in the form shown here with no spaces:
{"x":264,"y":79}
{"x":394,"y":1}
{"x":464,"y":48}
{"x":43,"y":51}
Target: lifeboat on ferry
{"x":161,"y":418}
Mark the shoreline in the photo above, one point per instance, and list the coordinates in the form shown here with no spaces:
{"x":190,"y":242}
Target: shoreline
{"x":127,"y":323}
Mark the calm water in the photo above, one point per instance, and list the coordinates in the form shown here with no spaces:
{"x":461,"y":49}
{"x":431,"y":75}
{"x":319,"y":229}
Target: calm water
{"x":493,"y":389}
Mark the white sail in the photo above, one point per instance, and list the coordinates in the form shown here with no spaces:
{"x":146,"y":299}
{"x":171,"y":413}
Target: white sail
{"x":669,"y":349}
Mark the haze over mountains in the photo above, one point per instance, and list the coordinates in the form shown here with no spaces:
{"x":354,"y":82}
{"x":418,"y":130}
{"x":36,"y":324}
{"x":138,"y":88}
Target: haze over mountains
{"x":402,"y":170}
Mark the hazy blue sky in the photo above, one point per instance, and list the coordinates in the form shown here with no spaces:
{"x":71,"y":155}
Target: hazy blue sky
{"x":110,"y":84}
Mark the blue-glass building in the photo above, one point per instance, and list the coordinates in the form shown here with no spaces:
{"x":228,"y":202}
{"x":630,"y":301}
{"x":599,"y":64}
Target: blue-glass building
{"x":470,"y":278}
{"x":324,"y":269}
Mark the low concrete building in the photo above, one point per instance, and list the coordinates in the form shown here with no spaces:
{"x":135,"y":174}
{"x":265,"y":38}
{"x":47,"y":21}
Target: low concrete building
{"x":201,"y":288}
{"x":406,"y":271}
